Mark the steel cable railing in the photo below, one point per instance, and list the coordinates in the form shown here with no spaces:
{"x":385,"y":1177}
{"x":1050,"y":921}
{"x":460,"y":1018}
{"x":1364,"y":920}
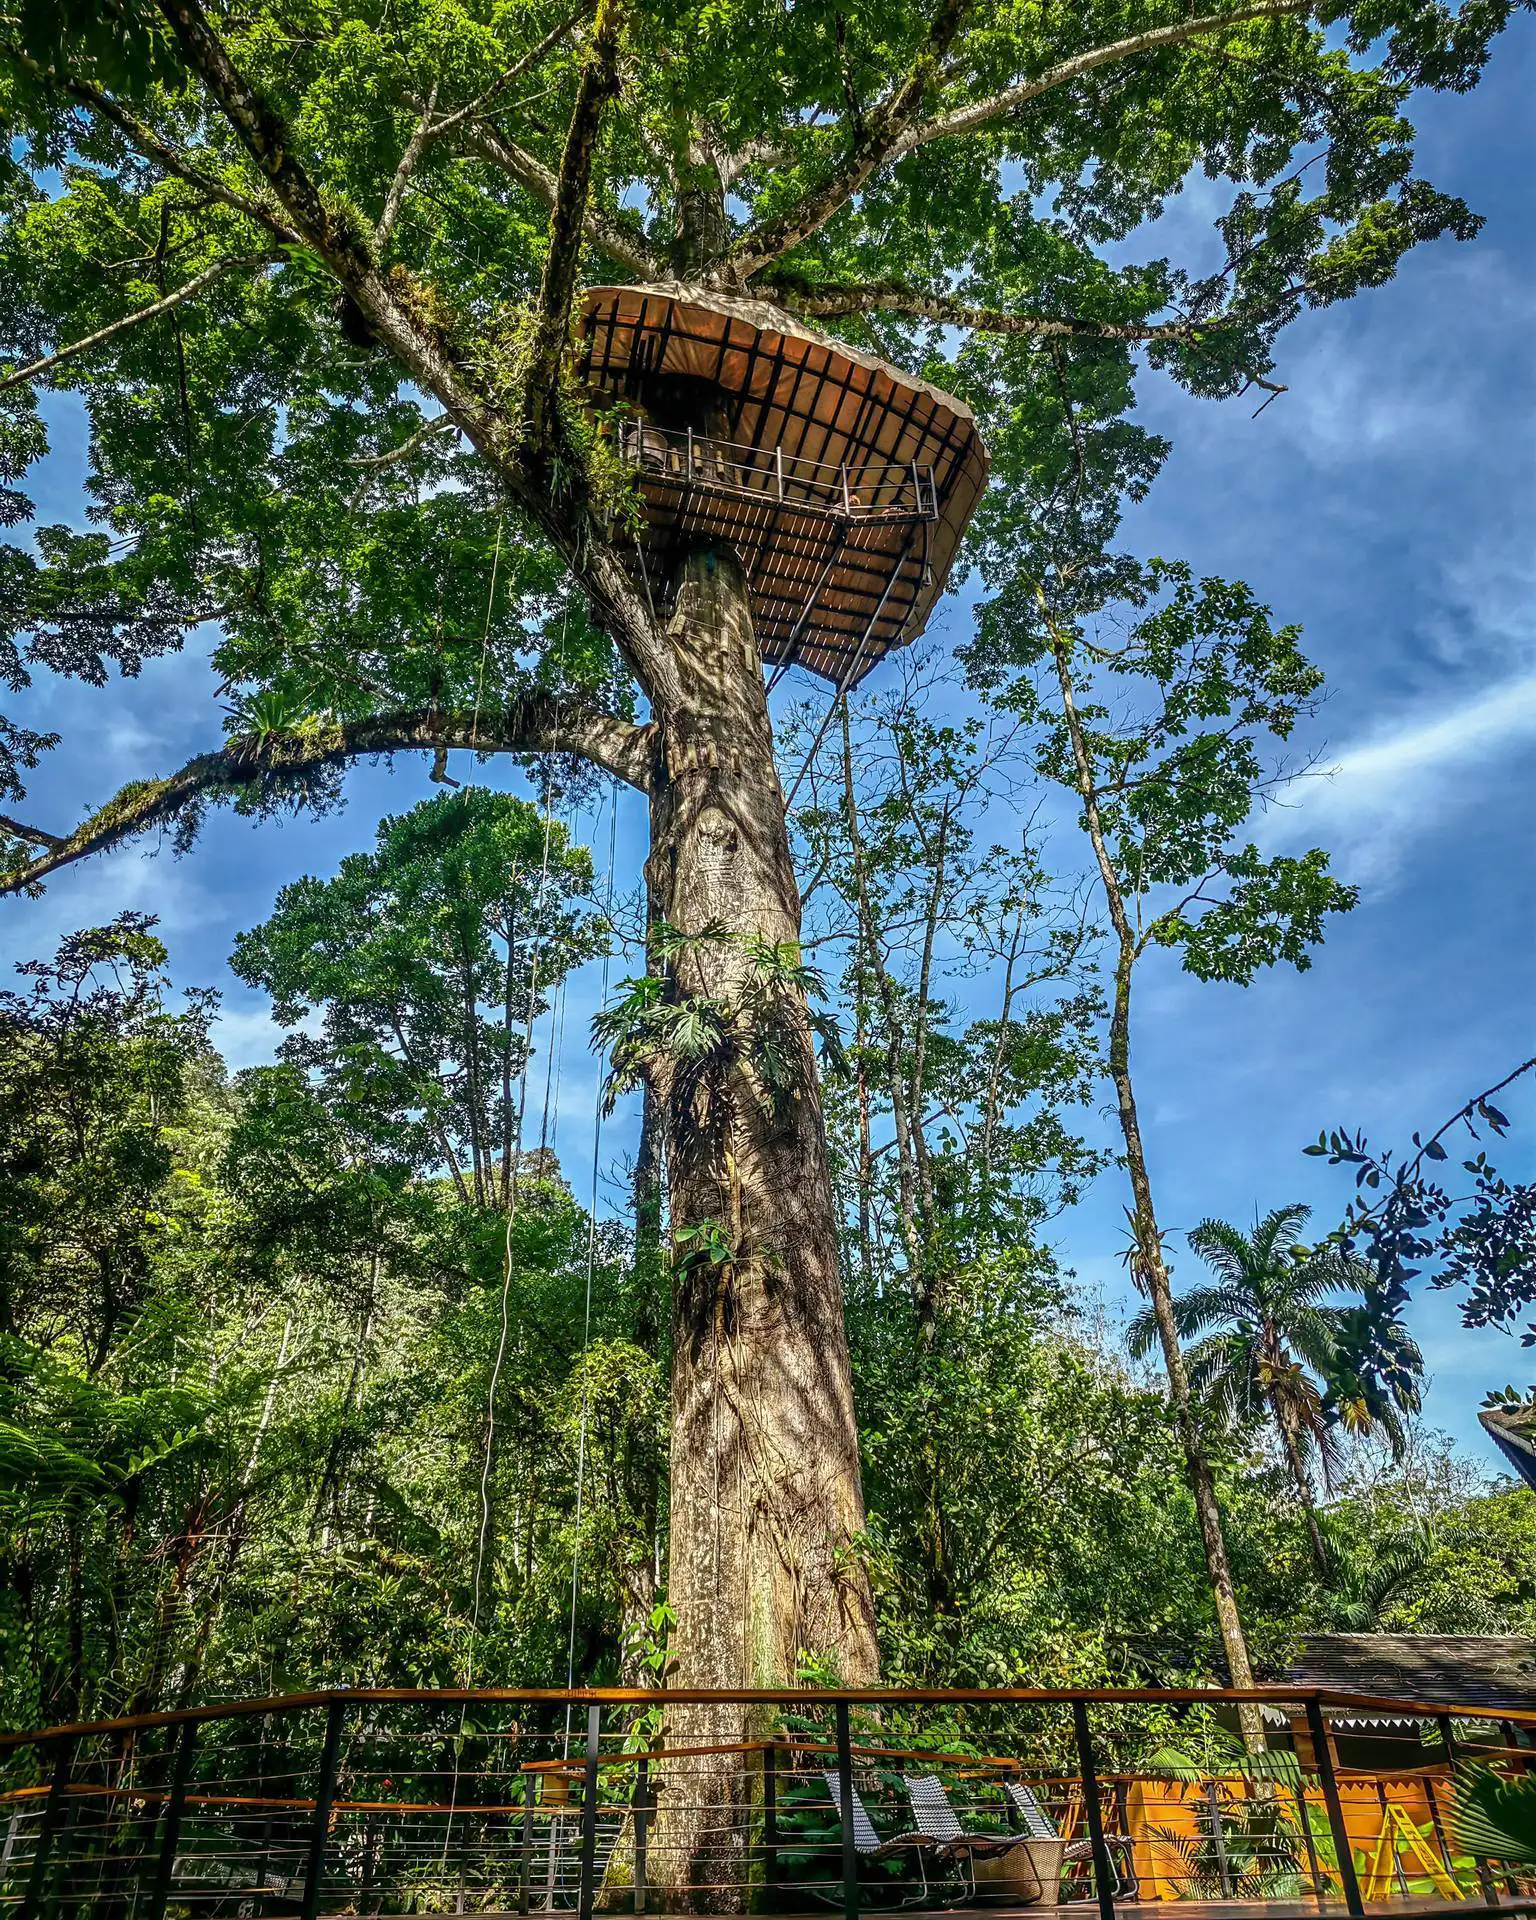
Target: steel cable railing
{"x":867,"y":489}
{"x":541,"y":1802}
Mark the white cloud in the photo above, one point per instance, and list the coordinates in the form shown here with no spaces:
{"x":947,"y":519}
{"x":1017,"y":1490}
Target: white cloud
{"x":1385,"y":790}
{"x":247,"y":1036}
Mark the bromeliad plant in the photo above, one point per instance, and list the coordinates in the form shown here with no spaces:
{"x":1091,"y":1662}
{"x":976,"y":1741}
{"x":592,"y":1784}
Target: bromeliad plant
{"x":697,"y":1041}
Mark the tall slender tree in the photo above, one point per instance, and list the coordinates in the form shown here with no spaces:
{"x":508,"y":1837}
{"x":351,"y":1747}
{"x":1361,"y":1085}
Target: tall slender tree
{"x":1165,"y":736}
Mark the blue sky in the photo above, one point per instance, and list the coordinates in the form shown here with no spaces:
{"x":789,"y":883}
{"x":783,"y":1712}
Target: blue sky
{"x":1387,"y":502}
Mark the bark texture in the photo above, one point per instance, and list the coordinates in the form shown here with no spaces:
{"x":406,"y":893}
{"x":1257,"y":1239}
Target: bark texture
{"x":766,"y":1501}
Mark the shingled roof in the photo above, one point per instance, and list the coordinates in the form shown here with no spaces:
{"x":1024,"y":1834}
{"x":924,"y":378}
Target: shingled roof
{"x":1493,"y":1672}
{"x":1513,"y":1431}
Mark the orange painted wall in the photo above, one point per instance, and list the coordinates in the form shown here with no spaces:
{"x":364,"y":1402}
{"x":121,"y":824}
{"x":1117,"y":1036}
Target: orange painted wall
{"x":1176,"y":1808}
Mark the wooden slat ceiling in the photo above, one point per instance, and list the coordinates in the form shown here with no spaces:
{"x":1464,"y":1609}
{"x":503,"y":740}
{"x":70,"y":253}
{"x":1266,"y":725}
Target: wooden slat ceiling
{"x":782,"y":385}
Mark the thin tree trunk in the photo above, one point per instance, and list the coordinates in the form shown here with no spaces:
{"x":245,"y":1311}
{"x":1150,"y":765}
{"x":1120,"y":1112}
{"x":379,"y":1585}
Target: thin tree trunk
{"x":872,"y":957}
{"x":480,"y":1148}
{"x":1298,"y":1465}
{"x":504,"y":1194}
{"x":766,"y":1501}
{"x":1151,"y":1266}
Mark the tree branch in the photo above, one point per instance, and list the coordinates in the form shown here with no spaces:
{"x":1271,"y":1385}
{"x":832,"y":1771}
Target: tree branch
{"x":441,"y":424}
{"x":894,"y":133}
{"x":892,"y":296}
{"x":530,"y":173}
{"x":414,"y":148}
{"x":336,"y":235}
{"x":22,"y":831}
{"x":874,"y":144}
{"x":482,"y":103}
{"x":979,"y":112}
{"x":190,"y":291}
{"x":264,"y":136}
{"x":149,"y":143}
{"x":275,"y":762}
{"x":599,"y":83}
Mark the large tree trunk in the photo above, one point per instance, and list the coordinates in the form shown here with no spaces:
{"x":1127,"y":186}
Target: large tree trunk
{"x":766,"y":1502}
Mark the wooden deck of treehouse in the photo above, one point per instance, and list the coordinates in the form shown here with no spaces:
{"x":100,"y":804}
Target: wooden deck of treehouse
{"x":502,"y":1802}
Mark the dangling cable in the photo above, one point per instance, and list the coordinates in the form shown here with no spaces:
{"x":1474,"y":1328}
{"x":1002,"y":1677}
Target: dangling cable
{"x":485,"y":638}
{"x":586,"y":1326}
{"x":510,"y":1174}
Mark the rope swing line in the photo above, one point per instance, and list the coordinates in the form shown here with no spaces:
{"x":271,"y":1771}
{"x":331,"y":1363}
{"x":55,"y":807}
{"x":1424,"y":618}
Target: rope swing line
{"x":511,"y":1175}
{"x":501,"y":1348}
{"x":586,"y":1330}
{"x":485,"y":638}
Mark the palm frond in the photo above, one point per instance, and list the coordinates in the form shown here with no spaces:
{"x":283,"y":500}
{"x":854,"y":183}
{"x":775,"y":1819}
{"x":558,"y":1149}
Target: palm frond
{"x":1225,"y":1249}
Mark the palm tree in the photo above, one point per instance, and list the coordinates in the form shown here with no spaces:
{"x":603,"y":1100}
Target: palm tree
{"x":1265,"y":1339}
{"x":1364,"y":1584}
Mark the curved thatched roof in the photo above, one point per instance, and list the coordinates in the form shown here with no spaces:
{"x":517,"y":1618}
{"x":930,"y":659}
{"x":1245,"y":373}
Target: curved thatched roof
{"x":831,"y":417}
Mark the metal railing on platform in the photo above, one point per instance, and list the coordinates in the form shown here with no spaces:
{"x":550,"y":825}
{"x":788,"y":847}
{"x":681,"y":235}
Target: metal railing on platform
{"x":518,"y":1801}
{"x":863,"y":490}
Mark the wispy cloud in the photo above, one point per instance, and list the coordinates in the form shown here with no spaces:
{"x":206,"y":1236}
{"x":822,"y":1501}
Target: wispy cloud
{"x":1383,"y":792}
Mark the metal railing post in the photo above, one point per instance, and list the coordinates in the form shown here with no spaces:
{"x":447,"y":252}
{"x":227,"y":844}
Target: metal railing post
{"x":586,"y":1891}
{"x":778,"y":467}
{"x":1441,"y":1839}
{"x":48,"y":1832}
{"x":641,"y":1815}
{"x":1485,"y":1878}
{"x":845,"y":1808}
{"x":525,"y":1864}
{"x":688,"y":458}
{"x":1218,"y":1839}
{"x":170,"y":1826}
{"x":770,"y":1825}
{"x":1314,"y":1870}
{"x":1103,"y":1866}
{"x":1322,"y":1749}
{"x":325,"y":1794}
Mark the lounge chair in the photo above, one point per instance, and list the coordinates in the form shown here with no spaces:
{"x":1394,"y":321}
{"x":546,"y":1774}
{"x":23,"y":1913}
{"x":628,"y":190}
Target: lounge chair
{"x":866,"y":1840}
{"x":1041,"y":1831}
{"x":998,"y":1866}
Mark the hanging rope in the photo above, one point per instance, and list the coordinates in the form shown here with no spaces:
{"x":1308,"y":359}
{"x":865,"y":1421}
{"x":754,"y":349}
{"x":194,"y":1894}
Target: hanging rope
{"x":586,"y":1327}
{"x":510,"y":1175}
{"x":485,"y":638}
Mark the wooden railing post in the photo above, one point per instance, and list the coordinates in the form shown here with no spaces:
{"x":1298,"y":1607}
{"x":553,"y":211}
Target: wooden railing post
{"x":845,"y":1808}
{"x":325,"y":1794}
{"x":1087,"y":1773}
{"x":586,"y":1891}
{"x":1322,"y":1749}
{"x":170,"y":1826}
{"x":48,"y":1831}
